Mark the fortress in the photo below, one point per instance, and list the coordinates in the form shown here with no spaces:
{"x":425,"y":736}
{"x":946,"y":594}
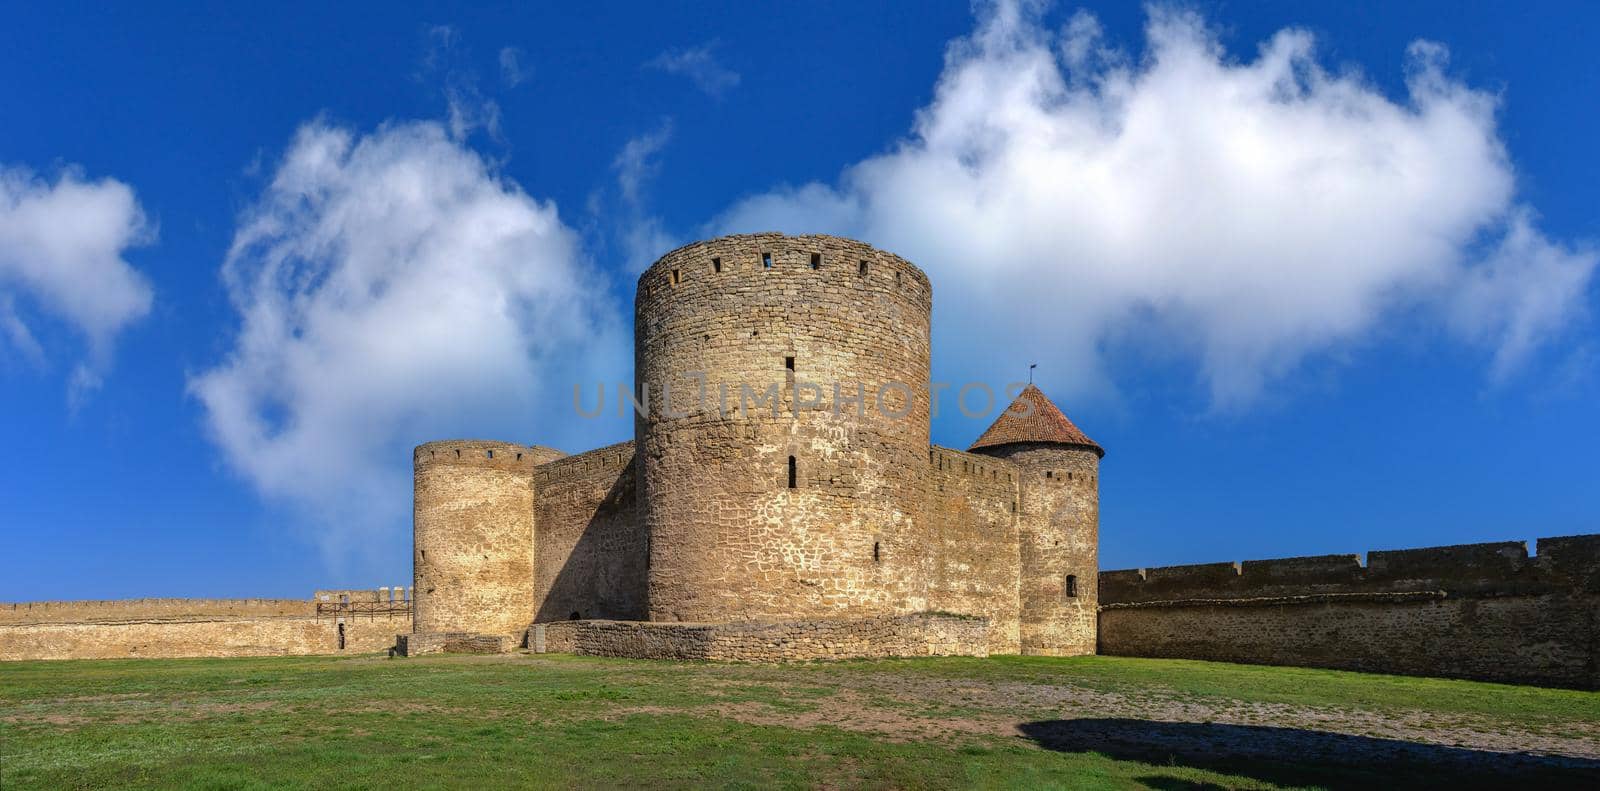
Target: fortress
{"x":781,"y":500}
{"x":780,"y":475}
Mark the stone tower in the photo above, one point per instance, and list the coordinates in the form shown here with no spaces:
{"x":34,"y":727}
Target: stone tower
{"x":803,"y":506}
{"x":473,"y":536}
{"x":1058,"y":522}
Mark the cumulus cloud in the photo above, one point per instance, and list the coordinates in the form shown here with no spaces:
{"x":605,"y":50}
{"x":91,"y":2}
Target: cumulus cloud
{"x":62,"y":256}
{"x":393,"y":288}
{"x":700,"y":66}
{"x":1067,"y":197}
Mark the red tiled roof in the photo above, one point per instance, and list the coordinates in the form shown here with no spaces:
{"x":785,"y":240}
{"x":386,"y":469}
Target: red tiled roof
{"x":1044,"y":423}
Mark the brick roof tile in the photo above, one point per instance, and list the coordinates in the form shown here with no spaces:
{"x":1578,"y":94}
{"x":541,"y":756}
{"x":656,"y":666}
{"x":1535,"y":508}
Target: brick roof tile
{"x":1045,"y":423}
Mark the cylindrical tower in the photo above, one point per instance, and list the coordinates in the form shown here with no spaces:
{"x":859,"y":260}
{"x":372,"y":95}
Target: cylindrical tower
{"x":473,"y":536}
{"x":1058,"y":523}
{"x":802,"y":505}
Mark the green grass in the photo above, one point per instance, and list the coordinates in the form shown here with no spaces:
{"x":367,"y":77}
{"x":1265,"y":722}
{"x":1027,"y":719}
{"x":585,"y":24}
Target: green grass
{"x":560,"y":721}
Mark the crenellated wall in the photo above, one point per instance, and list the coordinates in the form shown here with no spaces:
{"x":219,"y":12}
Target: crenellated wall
{"x":971,"y":534}
{"x":168,"y":628}
{"x":591,"y":555}
{"x":149,"y":609}
{"x":1483,"y":611}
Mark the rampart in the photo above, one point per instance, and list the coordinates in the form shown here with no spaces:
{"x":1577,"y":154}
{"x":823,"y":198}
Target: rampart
{"x":921,"y":634}
{"x":1481,"y":611}
{"x":971,"y":532}
{"x":171,"y":628}
{"x":591,"y":555}
{"x":149,"y":609}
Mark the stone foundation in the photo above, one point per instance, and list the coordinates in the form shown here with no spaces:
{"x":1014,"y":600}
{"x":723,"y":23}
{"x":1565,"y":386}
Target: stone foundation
{"x":785,"y":641}
{"x":453,"y":643}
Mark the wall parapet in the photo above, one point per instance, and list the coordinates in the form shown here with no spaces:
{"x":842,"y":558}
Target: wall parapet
{"x":1562,"y":564}
{"x":88,"y":611}
{"x":609,"y":457}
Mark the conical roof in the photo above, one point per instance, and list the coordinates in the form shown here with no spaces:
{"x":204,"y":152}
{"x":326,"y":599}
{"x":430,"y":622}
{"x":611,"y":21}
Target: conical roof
{"x":1044,"y":422}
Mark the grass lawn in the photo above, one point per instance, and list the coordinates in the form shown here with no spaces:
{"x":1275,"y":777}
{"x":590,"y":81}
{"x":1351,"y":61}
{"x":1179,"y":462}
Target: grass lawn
{"x":561,"y":721}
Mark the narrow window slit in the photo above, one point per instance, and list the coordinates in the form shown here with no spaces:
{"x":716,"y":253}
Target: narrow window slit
{"x":863,"y":270}
{"x":788,"y":362}
{"x":877,"y":554}
{"x":794,"y":473}
{"x":766,"y":260}
{"x":816,"y":260}
{"x":1072,"y":586}
{"x":716,"y":264}
{"x":675,"y":277}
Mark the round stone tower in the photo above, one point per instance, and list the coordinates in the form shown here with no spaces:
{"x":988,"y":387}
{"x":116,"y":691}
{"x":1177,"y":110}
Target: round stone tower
{"x":781,"y":475}
{"x":473,"y":536}
{"x":1058,"y":522}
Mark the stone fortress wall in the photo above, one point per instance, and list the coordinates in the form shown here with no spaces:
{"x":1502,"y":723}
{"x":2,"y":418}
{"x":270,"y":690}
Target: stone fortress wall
{"x":591,"y":553}
{"x":1480,"y":611}
{"x":167,"y":628}
{"x":760,"y":535}
{"x":971,"y":538}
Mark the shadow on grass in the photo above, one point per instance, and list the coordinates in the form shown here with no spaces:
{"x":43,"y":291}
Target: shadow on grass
{"x":1298,"y":757}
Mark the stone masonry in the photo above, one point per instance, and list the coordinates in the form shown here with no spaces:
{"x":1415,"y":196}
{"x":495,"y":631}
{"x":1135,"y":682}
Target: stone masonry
{"x":780,"y":473}
{"x":780,"y":500}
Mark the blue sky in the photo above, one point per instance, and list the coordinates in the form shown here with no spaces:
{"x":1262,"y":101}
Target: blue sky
{"x":1316,"y":286}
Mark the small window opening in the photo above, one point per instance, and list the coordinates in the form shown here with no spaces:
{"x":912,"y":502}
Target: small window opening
{"x":766,"y":260}
{"x":341,"y":637}
{"x":877,"y":554}
{"x":897,"y":278}
{"x":794,"y":473}
{"x":458,"y":453}
{"x":1072,"y":586}
{"x":716,"y":264}
{"x":1049,"y":473}
{"x":674,"y":277}
{"x":863,"y":270}
{"x":816,"y":260}
{"x":575,"y":616}
{"x":519,"y":457}
{"x":489,"y":453}
{"x":788,"y":362}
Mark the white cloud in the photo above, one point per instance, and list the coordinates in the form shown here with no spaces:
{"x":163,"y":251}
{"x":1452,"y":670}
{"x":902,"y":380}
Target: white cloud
{"x":700,"y":66}
{"x":643,"y":236}
{"x":512,"y":72}
{"x":1066,"y":197}
{"x":62,"y":254}
{"x":393,"y":288}
{"x":444,"y":59}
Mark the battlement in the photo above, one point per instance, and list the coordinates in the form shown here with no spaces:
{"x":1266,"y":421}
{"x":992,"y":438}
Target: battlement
{"x":85,"y":611}
{"x":610,"y":457}
{"x":715,"y":263}
{"x":482,"y":453}
{"x":976,"y":465}
{"x":1565,"y":563}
